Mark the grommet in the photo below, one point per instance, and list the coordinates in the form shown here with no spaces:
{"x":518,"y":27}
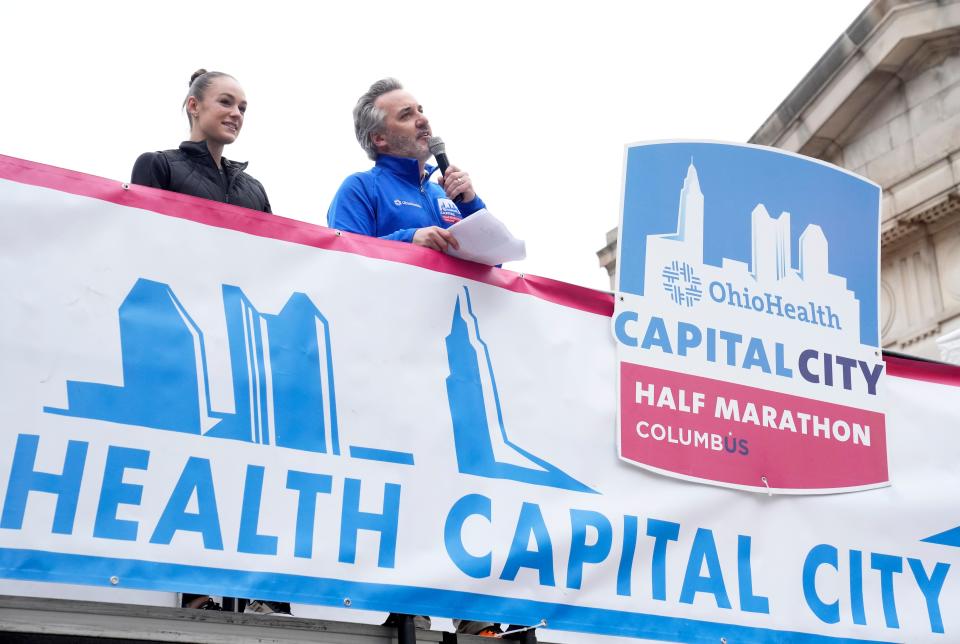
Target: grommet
{"x":347,"y":601}
{"x":767,"y":483}
{"x":125,"y":186}
{"x":114,"y":580}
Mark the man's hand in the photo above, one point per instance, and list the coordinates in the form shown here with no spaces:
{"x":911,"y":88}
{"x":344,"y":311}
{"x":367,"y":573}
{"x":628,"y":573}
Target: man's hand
{"x":436,"y":238}
{"x":457,"y":182}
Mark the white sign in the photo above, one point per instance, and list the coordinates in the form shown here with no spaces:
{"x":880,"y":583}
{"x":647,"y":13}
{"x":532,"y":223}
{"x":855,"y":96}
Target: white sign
{"x":200,"y":398}
{"x":747,"y":319}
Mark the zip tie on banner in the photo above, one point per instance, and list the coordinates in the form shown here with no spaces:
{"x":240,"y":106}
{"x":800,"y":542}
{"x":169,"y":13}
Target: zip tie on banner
{"x":765,"y":482}
{"x":542,"y":623}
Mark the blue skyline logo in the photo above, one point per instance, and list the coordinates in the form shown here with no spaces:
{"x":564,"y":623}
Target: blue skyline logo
{"x":761,"y":220}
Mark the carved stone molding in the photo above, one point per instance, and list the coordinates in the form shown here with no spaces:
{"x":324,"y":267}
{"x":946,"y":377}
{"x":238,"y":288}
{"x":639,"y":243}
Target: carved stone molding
{"x":888,"y":308}
{"x":918,"y":336}
{"x":911,"y":222}
{"x":949,"y":346}
{"x":892,"y":38}
{"x":911,"y":301}
{"x":948,"y":256}
{"x":608,"y":256}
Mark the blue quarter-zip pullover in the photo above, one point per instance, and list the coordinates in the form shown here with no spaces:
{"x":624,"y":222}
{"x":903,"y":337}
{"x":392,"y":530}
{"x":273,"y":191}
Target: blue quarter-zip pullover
{"x":391,"y":201}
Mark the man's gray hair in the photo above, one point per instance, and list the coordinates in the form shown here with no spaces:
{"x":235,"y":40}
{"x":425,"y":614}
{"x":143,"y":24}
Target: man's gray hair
{"x":367,"y":118}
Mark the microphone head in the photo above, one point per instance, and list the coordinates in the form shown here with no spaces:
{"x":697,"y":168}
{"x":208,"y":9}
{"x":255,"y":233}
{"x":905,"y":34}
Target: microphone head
{"x":436,"y":145}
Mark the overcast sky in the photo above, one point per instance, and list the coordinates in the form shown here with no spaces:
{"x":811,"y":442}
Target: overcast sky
{"x":535,"y":99}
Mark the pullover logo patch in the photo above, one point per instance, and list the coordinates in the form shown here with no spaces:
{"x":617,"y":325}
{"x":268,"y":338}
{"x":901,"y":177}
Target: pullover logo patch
{"x":448,"y":210}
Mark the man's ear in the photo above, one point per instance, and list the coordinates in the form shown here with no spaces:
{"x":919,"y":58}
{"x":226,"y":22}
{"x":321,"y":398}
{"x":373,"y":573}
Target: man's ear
{"x":379,"y":140}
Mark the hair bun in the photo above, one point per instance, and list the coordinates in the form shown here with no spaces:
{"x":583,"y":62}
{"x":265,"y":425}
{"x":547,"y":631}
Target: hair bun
{"x":197,"y":74}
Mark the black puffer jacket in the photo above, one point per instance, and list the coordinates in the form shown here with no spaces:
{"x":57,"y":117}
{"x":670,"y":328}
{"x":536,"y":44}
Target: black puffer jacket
{"x":190,"y":170}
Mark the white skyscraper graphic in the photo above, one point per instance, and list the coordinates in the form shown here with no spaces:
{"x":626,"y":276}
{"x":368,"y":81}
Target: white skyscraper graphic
{"x":770,"y":251}
{"x":813,"y":255}
{"x":690,"y":217}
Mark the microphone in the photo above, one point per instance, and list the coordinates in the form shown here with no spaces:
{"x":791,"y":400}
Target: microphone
{"x":439,"y":151}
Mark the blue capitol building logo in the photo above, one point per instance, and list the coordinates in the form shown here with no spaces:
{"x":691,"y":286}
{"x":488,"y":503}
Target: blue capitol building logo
{"x":681,"y":284}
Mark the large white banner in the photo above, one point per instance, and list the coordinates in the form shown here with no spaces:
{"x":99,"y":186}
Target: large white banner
{"x":201,"y":398}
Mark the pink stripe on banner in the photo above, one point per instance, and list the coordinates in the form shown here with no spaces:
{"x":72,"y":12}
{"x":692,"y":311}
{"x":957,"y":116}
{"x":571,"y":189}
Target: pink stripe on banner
{"x":257,"y":223}
{"x":944,"y":374}
{"x":685,"y":425}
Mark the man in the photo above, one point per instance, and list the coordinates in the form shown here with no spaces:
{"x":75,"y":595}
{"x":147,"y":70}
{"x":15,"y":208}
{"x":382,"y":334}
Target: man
{"x":396,"y":199}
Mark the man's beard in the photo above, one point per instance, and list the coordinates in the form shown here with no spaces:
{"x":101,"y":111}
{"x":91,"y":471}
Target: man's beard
{"x":405,"y":146}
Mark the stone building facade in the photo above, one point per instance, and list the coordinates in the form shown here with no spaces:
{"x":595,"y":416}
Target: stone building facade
{"x":884,"y":102}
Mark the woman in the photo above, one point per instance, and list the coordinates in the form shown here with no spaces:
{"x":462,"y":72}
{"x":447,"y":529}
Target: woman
{"x":215,"y":106}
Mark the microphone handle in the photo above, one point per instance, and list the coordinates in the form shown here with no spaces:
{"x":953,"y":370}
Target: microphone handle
{"x":443,"y":163}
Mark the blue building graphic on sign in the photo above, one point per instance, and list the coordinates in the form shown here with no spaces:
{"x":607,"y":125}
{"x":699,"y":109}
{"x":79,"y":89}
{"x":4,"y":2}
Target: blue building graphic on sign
{"x":281,"y":367}
{"x":480,"y":436}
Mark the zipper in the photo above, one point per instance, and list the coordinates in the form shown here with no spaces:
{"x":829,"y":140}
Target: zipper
{"x":427,"y":204}
{"x":229,"y":184}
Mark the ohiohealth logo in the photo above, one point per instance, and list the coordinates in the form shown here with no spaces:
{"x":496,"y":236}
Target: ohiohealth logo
{"x":681,"y":284}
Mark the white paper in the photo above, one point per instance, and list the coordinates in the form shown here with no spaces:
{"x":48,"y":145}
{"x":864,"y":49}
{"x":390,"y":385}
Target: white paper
{"x":485,"y":239}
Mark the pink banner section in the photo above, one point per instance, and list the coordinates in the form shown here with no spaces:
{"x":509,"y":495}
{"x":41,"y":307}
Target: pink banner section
{"x":730,"y":434}
{"x":262,"y":224}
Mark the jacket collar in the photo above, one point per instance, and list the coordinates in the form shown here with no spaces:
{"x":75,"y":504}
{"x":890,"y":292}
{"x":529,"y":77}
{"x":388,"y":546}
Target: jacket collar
{"x":405,"y":168}
{"x":199,"y":151}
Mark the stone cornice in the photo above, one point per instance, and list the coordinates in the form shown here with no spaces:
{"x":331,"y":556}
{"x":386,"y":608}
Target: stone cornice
{"x":884,"y":42}
{"x":916,"y":219}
